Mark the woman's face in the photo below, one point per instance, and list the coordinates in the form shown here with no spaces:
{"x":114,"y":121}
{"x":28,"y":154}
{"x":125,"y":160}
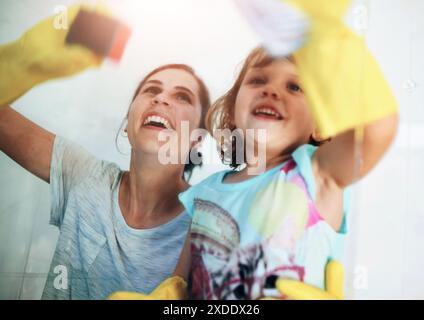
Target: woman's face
{"x":167,"y":100}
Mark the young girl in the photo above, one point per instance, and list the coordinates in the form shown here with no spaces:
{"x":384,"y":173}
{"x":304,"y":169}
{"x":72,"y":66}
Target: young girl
{"x":287,"y":222}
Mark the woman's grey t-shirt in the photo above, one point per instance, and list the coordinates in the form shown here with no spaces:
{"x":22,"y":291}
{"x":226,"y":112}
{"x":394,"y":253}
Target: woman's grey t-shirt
{"x":97,"y":252}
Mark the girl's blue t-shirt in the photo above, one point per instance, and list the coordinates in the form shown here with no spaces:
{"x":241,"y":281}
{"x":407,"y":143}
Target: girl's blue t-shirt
{"x":246,"y":235}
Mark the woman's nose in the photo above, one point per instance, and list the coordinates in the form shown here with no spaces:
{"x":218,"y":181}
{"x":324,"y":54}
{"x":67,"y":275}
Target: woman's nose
{"x":160,"y":100}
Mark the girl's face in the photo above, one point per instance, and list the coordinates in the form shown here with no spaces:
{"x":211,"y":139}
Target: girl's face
{"x":166,"y":99}
{"x":271,"y":98}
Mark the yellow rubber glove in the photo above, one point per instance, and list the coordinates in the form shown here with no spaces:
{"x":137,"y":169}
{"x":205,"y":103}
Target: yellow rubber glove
{"x":174,"y":288}
{"x":39,"y":55}
{"x":334,"y":280}
{"x":342,"y":81}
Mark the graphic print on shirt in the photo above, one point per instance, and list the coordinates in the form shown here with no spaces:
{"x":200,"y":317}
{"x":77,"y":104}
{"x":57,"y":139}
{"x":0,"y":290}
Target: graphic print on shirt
{"x":222,"y":268}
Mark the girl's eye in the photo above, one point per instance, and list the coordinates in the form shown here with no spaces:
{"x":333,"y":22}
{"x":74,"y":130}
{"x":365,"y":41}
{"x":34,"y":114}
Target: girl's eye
{"x":181,"y":96}
{"x":294,"y":87}
{"x":152,"y":90}
{"x":257,"y":81}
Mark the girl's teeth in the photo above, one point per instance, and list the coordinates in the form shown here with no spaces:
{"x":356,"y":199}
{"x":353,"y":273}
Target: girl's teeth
{"x":267,"y":111}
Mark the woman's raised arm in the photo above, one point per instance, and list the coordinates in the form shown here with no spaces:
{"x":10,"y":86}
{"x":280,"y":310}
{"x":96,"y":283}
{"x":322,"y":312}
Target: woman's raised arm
{"x":26,"y":143}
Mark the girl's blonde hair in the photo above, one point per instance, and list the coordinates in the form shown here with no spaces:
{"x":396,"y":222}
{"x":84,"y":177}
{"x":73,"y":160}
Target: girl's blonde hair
{"x":221,"y":114}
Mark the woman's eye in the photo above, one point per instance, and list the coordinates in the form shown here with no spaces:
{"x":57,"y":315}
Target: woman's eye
{"x":183,"y":97}
{"x":152,"y":90}
{"x":294,"y":87}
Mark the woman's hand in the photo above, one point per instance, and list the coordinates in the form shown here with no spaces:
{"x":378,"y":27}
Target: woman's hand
{"x":173,"y":288}
{"x":51,"y":55}
{"x":39,"y":55}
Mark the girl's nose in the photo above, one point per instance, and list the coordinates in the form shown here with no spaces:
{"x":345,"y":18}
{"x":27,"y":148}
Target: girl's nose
{"x":270,"y":93}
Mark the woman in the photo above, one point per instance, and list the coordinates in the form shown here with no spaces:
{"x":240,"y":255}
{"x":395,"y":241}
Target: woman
{"x":118,"y":230}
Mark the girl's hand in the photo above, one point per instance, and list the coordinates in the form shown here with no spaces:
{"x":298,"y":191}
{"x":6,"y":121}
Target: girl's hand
{"x":342,"y":81}
{"x":334,"y":278}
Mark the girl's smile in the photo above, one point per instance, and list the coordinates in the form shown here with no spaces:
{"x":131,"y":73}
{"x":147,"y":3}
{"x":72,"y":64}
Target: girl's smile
{"x":267,"y":111}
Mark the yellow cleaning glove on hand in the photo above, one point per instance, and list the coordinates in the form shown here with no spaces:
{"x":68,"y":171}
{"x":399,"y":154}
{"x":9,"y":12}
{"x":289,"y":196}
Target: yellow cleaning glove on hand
{"x":334,"y":283}
{"x":174,"y":288}
{"x":341,"y":79}
{"x":39,"y":55}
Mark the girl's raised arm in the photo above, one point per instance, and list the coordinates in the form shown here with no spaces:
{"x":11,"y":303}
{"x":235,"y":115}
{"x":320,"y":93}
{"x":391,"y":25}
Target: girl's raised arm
{"x":337,"y":161}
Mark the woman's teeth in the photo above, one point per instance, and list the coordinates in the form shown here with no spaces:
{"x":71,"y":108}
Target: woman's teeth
{"x":157,"y":120}
{"x":267,"y":112}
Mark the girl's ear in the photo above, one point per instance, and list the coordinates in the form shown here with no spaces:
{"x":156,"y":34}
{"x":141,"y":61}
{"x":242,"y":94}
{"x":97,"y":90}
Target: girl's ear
{"x":317,"y":138}
{"x":316,"y":135}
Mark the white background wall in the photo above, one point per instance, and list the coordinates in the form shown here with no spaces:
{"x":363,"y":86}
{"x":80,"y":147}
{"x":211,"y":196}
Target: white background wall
{"x":385,"y":256}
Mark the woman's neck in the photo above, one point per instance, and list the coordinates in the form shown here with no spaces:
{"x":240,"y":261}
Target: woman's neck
{"x":148,"y":195}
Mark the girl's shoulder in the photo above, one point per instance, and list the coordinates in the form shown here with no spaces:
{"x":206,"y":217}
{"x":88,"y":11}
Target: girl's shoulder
{"x":212,"y":179}
{"x":188,"y":196}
